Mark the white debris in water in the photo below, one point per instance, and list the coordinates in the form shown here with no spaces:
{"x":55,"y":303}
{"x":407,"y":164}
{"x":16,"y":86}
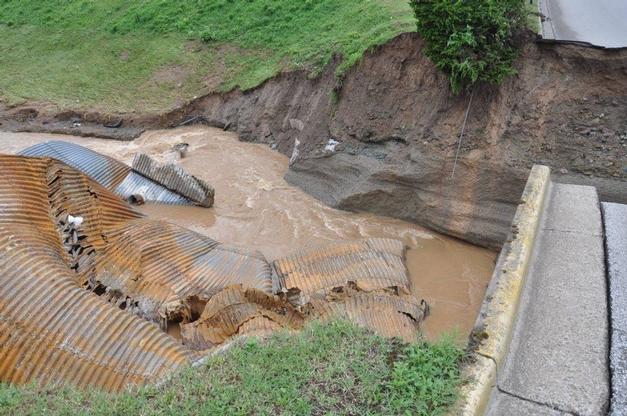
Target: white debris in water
{"x":330,"y":147}
{"x":295,"y":151}
{"x":75,"y":221}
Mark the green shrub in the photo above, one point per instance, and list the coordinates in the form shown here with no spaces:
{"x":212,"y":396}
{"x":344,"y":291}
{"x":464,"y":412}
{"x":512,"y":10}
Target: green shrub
{"x":471,"y":40}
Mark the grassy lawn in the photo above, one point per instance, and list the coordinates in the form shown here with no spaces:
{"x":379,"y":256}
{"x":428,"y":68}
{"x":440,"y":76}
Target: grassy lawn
{"x":149,"y":55}
{"x":327,"y":369}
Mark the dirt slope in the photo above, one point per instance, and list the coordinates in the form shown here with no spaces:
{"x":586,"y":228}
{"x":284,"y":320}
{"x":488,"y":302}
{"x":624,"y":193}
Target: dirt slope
{"x":397,"y":126}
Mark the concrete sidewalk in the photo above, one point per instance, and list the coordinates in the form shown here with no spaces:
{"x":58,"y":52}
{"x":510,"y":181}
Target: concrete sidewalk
{"x":557,"y":362}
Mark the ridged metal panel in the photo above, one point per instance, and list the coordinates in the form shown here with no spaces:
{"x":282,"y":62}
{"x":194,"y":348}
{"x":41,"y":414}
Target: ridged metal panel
{"x":239,"y":311}
{"x":103,"y":169}
{"x":135,"y":183}
{"x":72,"y":193}
{"x":160,"y":266}
{"x":371,"y":264}
{"x":387,"y":314}
{"x":110,"y":173}
{"x":51,"y":330}
{"x":174,"y":178}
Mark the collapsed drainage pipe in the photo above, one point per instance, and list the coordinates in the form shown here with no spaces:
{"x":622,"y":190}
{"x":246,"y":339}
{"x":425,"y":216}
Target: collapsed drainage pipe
{"x":87,"y":301}
{"x":155,"y":182}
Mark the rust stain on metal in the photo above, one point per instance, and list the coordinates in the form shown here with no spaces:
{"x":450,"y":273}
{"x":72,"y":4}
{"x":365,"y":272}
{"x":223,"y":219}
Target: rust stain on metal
{"x":239,"y":311}
{"x":51,"y":329}
{"x":90,"y":289}
{"x":370,"y":264}
{"x":386,"y":312}
{"x":161,"y":269}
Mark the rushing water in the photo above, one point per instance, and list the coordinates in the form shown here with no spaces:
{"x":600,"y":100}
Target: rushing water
{"x":255,"y":207}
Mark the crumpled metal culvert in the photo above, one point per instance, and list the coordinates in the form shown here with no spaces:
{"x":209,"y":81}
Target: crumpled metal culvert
{"x":148,"y":179}
{"x":92,"y":293}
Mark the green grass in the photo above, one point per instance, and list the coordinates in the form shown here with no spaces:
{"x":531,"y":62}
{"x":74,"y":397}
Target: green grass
{"x":533,"y":16}
{"x":120,"y":55}
{"x":330,"y":369}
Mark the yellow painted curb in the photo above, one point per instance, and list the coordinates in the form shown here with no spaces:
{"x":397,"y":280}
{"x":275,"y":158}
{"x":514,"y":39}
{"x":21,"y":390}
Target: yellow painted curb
{"x":501,"y":304}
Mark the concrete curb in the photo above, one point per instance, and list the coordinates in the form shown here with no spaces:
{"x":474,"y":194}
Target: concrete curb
{"x":498,"y":313}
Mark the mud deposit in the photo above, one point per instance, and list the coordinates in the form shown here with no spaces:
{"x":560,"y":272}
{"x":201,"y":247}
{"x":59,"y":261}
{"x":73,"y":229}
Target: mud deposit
{"x":255,"y":208}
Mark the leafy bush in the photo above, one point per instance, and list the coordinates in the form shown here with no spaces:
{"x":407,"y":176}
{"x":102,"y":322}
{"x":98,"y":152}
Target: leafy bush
{"x":471,"y":40}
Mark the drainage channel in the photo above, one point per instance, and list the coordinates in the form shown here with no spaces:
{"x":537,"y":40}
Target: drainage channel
{"x":255,"y":208}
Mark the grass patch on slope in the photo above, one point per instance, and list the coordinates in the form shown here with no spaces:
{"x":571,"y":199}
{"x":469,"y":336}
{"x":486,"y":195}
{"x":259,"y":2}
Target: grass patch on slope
{"x":330,"y":369}
{"x":149,"y":55}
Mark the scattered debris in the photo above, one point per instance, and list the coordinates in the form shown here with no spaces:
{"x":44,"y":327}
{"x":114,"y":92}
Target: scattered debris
{"x":136,"y":199}
{"x":294,"y":151}
{"x":114,"y":125}
{"x":181,"y":148}
{"x":297,"y":124}
{"x":330,"y":147}
{"x":192,"y":120}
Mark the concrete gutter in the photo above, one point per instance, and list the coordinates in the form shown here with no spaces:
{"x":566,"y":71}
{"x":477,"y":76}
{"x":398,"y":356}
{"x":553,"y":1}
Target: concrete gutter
{"x":496,"y":319}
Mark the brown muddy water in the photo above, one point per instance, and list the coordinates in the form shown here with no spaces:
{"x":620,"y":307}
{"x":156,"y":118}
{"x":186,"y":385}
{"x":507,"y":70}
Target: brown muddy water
{"x":254,"y":207}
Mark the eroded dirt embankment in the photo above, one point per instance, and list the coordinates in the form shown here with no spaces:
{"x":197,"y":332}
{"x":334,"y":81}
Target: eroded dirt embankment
{"x":397,"y":126}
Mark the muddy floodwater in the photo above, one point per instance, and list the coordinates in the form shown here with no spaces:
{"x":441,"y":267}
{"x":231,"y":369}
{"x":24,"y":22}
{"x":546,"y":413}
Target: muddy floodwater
{"x":254,"y":207}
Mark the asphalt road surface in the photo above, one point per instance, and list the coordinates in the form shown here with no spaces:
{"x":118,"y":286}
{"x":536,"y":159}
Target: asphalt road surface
{"x":598,"y":22}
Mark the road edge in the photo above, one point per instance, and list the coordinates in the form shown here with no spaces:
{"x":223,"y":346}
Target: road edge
{"x":493,"y":329}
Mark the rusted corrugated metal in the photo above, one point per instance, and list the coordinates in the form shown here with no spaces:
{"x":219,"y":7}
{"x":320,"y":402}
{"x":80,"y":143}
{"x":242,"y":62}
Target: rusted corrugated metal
{"x":364,"y":281}
{"x":110,"y":173}
{"x":175,"y":178}
{"x":51,"y":330}
{"x":139,"y":271}
{"x":386,"y":313}
{"x":371,"y":264}
{"x":161,"y":266}
{"x":239,"y":311}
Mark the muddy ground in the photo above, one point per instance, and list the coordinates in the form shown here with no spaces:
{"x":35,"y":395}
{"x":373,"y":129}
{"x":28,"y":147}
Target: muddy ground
{"x":397,"y":127}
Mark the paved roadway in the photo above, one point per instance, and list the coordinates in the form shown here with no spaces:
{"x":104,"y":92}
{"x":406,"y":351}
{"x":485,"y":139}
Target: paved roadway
{"x":598,"y":22}
{"x":557,"y":363}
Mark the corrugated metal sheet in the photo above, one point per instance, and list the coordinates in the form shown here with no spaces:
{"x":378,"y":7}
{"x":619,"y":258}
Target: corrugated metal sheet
{"x":54,"y":330}
{"x":51,"y":330}
{"x":175,"y":178}
{"x":239,"y":311}
{"x":387,"y":314}
{"x":371,"y":264}
{"x":161,"y":266}
{"x":110,"y":173}
{"x":136,"y":184}
{"x":103,"y":169}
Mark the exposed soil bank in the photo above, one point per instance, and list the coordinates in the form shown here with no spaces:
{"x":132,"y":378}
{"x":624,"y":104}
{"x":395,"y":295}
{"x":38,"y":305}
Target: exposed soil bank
{"x":397,"y":126}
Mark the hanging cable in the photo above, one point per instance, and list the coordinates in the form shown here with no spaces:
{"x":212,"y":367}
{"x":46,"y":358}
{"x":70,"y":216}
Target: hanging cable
{"x":461,"y":134}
